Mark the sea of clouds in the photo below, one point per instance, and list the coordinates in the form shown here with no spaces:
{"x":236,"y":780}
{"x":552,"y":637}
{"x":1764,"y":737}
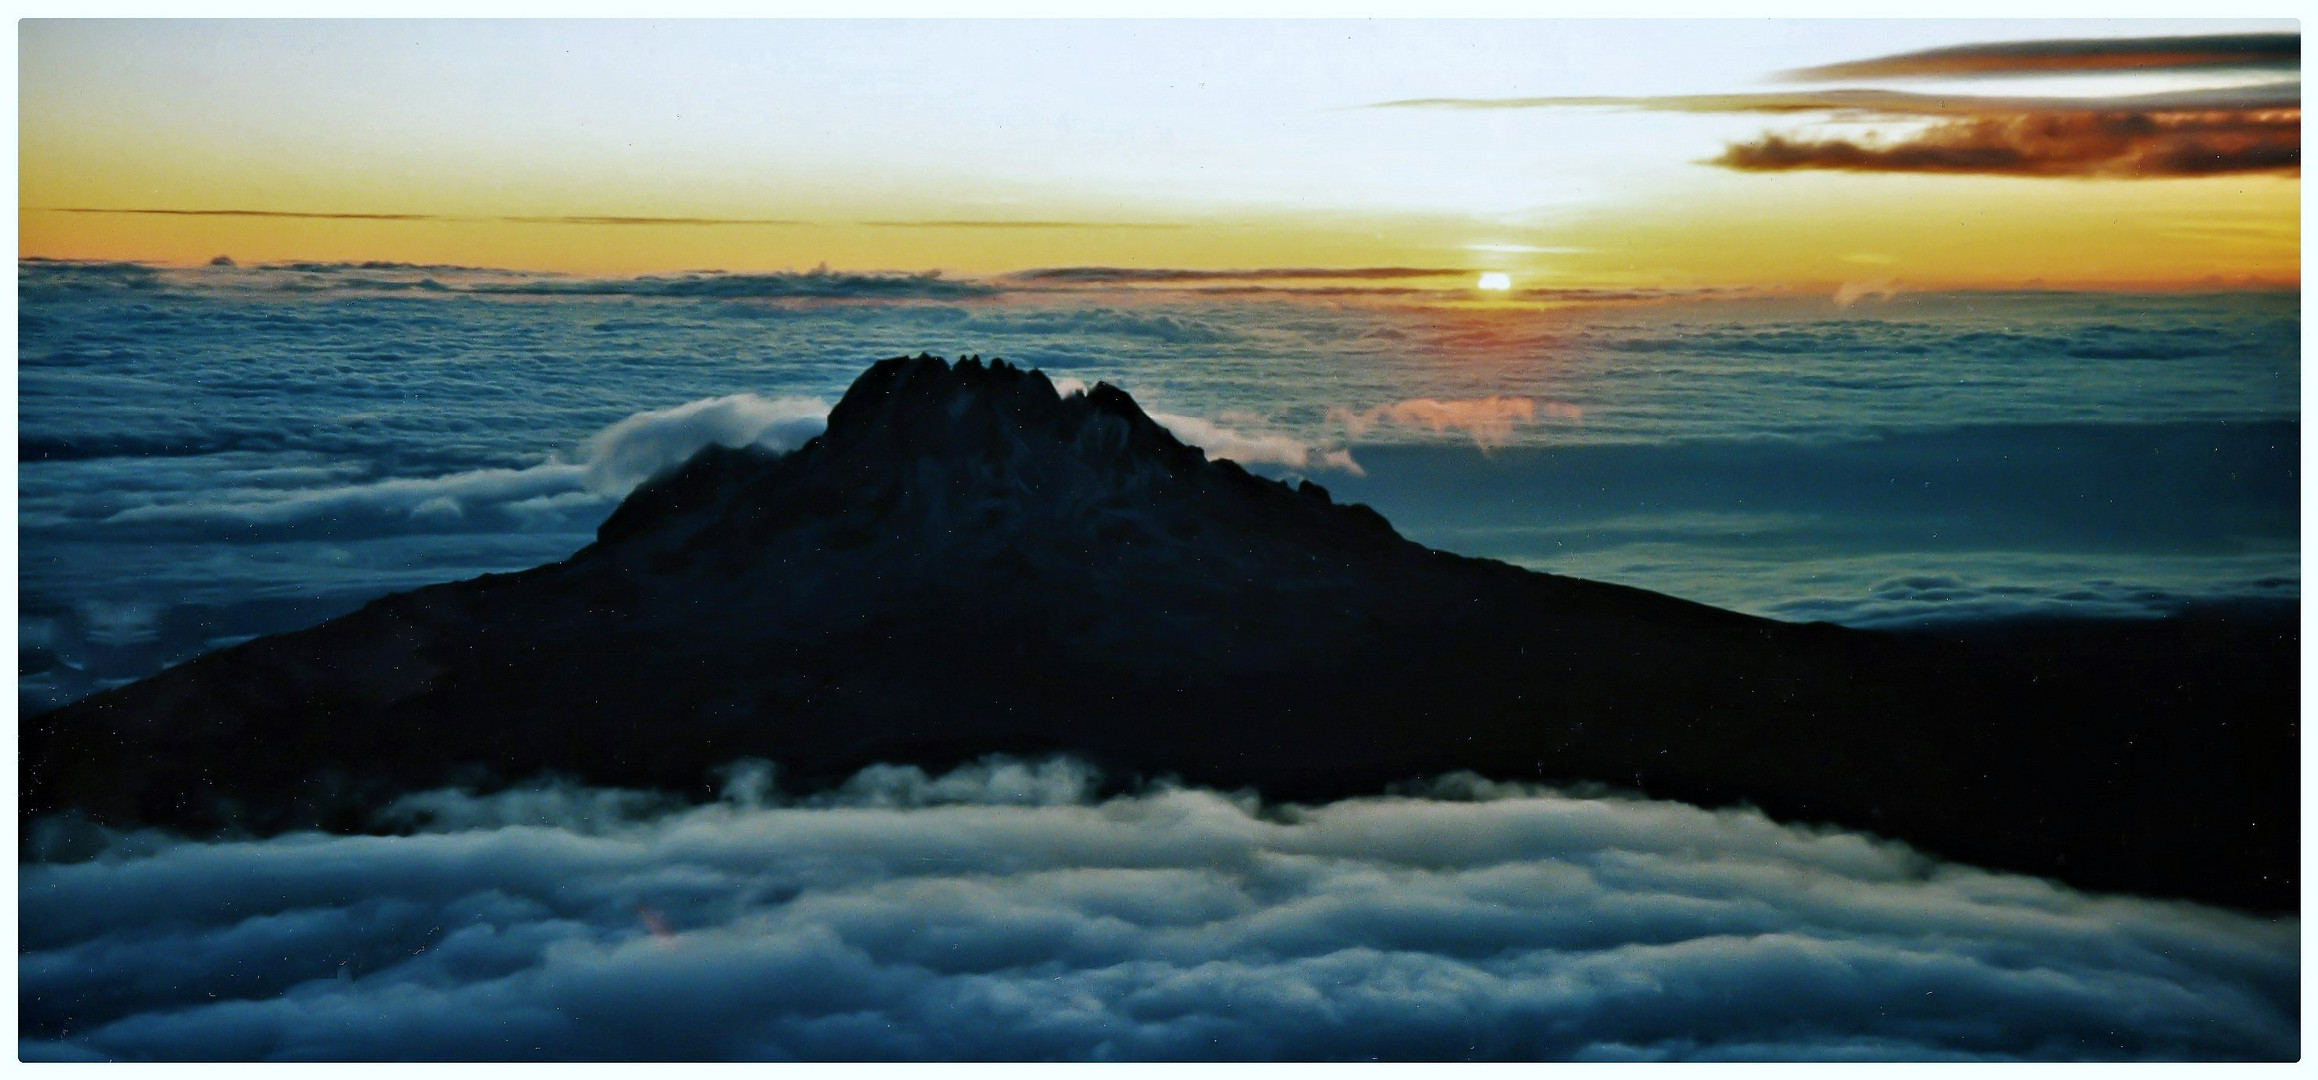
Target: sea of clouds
{"x":208,"y":454}
{"x":1004,"y":911}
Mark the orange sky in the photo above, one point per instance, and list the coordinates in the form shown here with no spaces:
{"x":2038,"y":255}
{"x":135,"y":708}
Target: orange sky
{"x":1173,"y":147}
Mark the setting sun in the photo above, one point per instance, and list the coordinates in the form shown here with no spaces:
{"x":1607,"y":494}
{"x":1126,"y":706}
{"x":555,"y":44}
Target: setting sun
{"x":1495,"y":282}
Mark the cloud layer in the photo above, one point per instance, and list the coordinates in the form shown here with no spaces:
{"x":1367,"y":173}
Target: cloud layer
{"x":1000,"y":913}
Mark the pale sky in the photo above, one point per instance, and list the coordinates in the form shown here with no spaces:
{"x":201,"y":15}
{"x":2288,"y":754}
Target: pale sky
{"x":1249,"y":143}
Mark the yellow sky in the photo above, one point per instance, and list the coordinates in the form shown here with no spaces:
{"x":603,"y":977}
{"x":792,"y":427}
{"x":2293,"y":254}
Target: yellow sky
{"x":1179,"y":144}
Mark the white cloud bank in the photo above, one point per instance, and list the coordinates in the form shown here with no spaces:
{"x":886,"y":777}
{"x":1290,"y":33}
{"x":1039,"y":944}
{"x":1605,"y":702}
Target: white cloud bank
{"x":999,"y":912}
{"x":636,"y":449}
{"x":567,"y":492}
{"x":573,"y":491}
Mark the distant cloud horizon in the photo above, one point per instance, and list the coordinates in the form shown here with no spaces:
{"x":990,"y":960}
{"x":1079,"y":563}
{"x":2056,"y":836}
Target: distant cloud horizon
{"x":1118,"y":275}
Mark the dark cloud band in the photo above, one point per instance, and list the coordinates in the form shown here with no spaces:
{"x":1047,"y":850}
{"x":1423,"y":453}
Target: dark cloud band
{"x":2209,"y":132}
{"x":2210,"y":52}
{"x":2122,"y":145}
{"x":2285,"y":94}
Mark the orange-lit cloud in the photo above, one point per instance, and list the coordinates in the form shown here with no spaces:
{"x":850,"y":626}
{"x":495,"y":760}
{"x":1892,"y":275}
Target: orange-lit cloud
{"x":654,"y":924}
{"x":1852,"y":292}
{"x":2208,"y":52}
{"x":1488,"y":420}
{"x":2116,"y":145}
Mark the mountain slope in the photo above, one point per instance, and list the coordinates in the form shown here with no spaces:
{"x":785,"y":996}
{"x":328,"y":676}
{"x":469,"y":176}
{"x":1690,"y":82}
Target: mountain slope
{"x":967,"y":562}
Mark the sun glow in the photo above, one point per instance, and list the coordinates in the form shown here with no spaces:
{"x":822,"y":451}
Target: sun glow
{"x":1495,"y":282}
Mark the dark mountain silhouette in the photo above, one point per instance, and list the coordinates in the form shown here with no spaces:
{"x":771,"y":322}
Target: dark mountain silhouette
{"x":967,"y":562}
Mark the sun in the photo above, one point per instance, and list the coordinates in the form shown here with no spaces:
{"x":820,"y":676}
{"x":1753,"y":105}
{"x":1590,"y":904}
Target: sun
{"x":1495,"y":282}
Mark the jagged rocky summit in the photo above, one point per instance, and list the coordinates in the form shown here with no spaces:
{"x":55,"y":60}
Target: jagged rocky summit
{"x":967,"y":562}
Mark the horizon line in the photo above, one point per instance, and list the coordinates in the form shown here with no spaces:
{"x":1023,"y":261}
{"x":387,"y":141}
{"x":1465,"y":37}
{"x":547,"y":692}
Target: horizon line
{"x":1252,"y":281}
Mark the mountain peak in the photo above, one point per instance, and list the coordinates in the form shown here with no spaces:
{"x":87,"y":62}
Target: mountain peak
{"x":918,"y":441}
{"x":925,"y":403}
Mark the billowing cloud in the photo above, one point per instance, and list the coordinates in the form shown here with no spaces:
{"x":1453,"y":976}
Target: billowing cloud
{"x":1490,"y":420}
{"x":1257,"y":449}
{"x":2079,"y":56}
{"x":642,"y":446}
{"x":1000,"y":912}
{"x":560,"y":493}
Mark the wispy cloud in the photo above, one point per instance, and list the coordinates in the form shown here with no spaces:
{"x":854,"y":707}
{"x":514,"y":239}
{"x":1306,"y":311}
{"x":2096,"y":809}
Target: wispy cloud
{"x":820,"y":283}
{"x":1865,"y":103}
{"x":1852,"y":292}
{"x":2208,"y":52}
{"x":584,"y":219}
{"x":1259,"y":448}
{"x":1490,"y":420}
{"x":1117,"y":275}
{"x":605,"y":219}
{"x":2205,"y":132}
{"x":309,"y":215}
{"x":1004,"y":224}
{"x":1527,"y":249}
{"x":296,"y":214}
